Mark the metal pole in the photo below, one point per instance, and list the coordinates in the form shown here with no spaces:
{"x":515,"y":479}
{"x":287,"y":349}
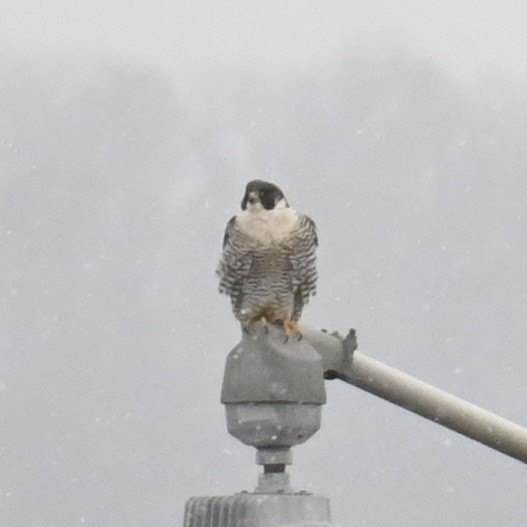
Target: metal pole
{"x":343,"y":362}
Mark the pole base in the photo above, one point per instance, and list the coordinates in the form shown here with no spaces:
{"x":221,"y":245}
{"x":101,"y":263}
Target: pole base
{"x":257,"y":510}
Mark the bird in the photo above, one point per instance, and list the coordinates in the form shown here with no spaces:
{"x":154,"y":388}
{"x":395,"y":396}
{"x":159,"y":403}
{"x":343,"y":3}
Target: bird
{"x":268,"y":263}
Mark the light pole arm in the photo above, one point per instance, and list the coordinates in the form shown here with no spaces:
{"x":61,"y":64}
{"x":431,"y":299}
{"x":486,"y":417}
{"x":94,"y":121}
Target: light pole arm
{"x":342,"y":361}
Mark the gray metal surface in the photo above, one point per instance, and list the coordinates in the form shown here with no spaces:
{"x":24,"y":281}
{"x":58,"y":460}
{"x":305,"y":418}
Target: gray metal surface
{"x":273,"y":391}
{"x":272,"y":425}
{"x":342,"y":361}
{"x":256,"y":510}
{"x":263,"y":368}
{"x":438,"y":406}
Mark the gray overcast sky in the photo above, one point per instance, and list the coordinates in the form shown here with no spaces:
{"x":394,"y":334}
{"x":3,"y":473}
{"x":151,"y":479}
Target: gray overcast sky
{"x":469,"y":36}
{"x":128,"y":130}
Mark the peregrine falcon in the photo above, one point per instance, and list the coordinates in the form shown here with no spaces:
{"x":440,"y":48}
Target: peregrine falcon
{"x":268,"y":264}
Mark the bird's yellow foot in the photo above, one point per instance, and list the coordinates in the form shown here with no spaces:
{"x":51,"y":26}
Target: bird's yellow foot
{"x":264,"y":322}
{"x":292,"y":328}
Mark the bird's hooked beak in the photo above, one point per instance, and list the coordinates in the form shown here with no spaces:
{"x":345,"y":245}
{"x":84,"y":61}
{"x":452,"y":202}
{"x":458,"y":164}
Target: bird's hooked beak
{"x":254,"y":197}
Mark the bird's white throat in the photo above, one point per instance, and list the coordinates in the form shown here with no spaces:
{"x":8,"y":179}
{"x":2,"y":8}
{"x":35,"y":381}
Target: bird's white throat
{"x":267,"y":225}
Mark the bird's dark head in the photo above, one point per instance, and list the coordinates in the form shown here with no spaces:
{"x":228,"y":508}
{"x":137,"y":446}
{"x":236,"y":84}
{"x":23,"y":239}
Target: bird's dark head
{"x":263,"y":195}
